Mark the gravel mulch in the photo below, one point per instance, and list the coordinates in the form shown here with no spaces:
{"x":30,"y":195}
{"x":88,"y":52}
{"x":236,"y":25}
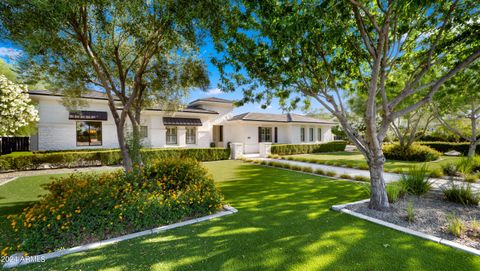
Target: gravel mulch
{"x":431,"y":213}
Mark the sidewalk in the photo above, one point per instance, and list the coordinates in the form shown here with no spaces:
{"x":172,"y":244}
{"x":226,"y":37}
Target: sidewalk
{"x":389,"y":177}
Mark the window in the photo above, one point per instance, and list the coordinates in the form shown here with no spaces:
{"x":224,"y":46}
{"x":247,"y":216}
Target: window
{"x":143,"y":131}
{"x":319,"y":134}
{"x":311,"y":134}
{"x":171,"y":135}
{"x":89,"y":133}
{"x":265,"y":134}
{"x":276,"y":135}
{"x":220,"y":137}
{"x":191,"y":135}
{"x":302,"y":134}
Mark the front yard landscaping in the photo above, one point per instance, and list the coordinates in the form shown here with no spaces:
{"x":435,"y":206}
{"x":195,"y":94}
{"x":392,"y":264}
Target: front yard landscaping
{"x":284,"y":223}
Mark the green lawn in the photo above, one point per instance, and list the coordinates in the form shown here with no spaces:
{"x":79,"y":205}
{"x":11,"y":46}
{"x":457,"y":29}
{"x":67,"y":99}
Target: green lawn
{"x":356,"y":160}
{"x":284,"y":223}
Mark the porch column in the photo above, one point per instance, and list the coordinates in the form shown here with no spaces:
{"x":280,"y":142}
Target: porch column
{"x":236,"y":150}
{"x":265,"y":149}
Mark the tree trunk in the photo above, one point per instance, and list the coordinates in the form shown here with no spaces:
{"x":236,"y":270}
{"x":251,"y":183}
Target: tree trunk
{"x":378,"y":197}
{"x":127,"y":160}
{"x":472,"y":148}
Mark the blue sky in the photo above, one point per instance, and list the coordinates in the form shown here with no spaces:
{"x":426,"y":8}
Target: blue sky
{"x":9,"y":51}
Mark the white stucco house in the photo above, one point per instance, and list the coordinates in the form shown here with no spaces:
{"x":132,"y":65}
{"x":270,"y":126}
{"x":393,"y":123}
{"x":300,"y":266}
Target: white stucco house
{"x":201,"y":124}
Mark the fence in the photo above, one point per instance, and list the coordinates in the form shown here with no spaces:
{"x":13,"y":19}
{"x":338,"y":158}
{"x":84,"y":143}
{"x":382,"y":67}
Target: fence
{"x":13,"y":144}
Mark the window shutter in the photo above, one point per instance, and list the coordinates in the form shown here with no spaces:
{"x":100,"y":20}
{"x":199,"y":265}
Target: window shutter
{"x":259,"y":134}
{"x":276,"y":135}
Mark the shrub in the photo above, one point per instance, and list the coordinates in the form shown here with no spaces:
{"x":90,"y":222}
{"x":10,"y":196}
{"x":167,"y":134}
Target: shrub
{"x":297,"y":168}
{"x":331,"y":173}
{"x":436,"y":173}
{"x":461,"y":194}
{"x":307,"y":169}
{"x":288,"y":149}
{"x":475,"y":226}
{"x":345,"y":176}
{"x":361,"y":178}
{"x":395,"y":191}
{"x":455,"y":225}
{"x":444,"y":147}
{"x":104,"y":157}
{"x":465,"y":165}
{"x":416,"y":182}
{"x":410,"y":212}
{"x":415,"y":152}
{"x":471,"y":178}
{"x":320,"y":172}
{"x":83,"y":208}
{"x":450,"y":169}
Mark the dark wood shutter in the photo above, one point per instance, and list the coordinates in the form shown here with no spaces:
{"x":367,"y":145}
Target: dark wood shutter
{"x":275,"y":136}
{"x":259,"y":134}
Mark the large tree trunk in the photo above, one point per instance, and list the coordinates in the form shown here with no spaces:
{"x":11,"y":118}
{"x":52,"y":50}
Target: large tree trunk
{"x":472,"y":148}
{"x":378,"y":197}
{"x":127,"y":160}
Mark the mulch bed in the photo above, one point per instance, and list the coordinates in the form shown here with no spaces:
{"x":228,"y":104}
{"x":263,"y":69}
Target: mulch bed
{"x":431,"y":213}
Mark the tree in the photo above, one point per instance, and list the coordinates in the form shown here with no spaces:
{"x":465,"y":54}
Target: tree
{"x":6,"y":70}
{"x":330,"y":50}
{"x":459,"y":102}
{"x":16,"y":109}
{"x":138,"y":52}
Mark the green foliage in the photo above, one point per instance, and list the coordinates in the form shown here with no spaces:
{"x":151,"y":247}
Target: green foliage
{"x":415,"y":152}
{"x":462,"y":194}
{"x":450,"y":169}
{"x":416,"y":181}
{"x":288,"y":149}
{"x":331,"y":173}
{"x":455,"y":225}
{"x":443,"y":147}
{"x":410,"y":212}
{"x":105,"y":158}
{"x":87,"y":207}
{"x":361,"y":178}
{"x":436,"y":173}
{"x":320,"y":171}
{"x":395,"y":191}
{"x":345,"y":176}
{"x":471,"y":178}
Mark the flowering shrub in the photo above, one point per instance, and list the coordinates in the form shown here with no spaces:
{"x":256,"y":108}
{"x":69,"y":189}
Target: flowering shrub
{"x":83,"y":208}
{"x":16,"y":108}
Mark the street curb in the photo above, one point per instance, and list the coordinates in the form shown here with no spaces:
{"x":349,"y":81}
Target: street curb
{"x":342,"y":208}
{"x":15,"y":261}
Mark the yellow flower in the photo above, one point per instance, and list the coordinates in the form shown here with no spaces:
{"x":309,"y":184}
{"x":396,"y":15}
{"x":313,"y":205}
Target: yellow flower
{"x":59,"y":217}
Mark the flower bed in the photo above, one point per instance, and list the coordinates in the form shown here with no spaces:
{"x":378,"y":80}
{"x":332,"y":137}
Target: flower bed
{"x":82,"y":208}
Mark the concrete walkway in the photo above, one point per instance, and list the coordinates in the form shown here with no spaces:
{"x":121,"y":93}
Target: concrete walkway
{"x":9,"y":176}
{"x":389,"y":177}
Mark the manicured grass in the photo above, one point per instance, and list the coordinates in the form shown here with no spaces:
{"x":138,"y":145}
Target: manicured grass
{"x":284,"y":223}
{"x":356,"y":160}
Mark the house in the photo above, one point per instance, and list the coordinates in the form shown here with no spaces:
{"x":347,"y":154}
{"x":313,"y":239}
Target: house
{"x":201,"y":124}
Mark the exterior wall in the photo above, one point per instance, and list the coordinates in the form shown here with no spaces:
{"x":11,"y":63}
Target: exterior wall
{"x":57,"y":132}
{"x":295,"y":133}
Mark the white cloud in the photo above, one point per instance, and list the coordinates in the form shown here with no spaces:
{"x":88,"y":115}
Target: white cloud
{"x":9,"y":52}
{"x":214,"y":91}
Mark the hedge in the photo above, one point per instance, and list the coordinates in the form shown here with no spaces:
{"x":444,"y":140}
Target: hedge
{"x":82,"y":208}
{"x":287,"y":149}
{"x":104,"y":158}
{"x":444,"y":147}
{"x":418,"y":153}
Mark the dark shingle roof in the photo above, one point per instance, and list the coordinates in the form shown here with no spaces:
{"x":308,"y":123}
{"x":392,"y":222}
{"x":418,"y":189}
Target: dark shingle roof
{"x":212,"y":100}
{"x":181,"y":121}
{"x":287,"y":118}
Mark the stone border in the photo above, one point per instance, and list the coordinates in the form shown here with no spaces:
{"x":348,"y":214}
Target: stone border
{"x":7,"y":181}
{"x":18,"y":260}
{"x":342,"y":208}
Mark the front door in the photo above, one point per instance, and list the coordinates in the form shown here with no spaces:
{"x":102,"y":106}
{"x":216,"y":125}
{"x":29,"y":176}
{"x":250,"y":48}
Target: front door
{"x":218,"y":135}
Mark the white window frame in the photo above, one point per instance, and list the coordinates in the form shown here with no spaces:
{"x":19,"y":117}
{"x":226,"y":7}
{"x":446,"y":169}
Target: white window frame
{"x":311,"y":135}
{"x":143,"y":131}
{"x":169,"y":136}
{"x":319,"y":134}
{"x":302,"y":134}
{"x":189,"y":137}
{"x":264,"y":135}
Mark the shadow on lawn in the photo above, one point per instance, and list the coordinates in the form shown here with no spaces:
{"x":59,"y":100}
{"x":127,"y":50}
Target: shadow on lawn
{"x":283,"y":223}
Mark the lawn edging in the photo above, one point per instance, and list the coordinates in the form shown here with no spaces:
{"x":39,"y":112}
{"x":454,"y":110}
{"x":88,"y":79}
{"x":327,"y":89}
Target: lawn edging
{"x":15,"y":261}
{"x":342,"y":208}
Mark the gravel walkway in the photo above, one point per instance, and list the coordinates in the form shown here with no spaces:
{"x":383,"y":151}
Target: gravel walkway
{"x":389,"y":177}
{"x":6,"y":177}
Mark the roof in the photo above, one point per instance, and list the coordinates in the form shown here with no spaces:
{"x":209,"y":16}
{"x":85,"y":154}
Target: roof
{"x":181,"y":122}
{"x":97,"y":95}
{"x":212,"y":100}
{"x":286,"y":118}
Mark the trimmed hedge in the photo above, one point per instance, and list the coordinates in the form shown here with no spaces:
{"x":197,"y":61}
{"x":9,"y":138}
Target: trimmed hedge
{"x":287,"y":149}
{"x":82,"y":208}
{"x":104,"y":158}
{"x":416,"y":152}
{"x":444,"y":147}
